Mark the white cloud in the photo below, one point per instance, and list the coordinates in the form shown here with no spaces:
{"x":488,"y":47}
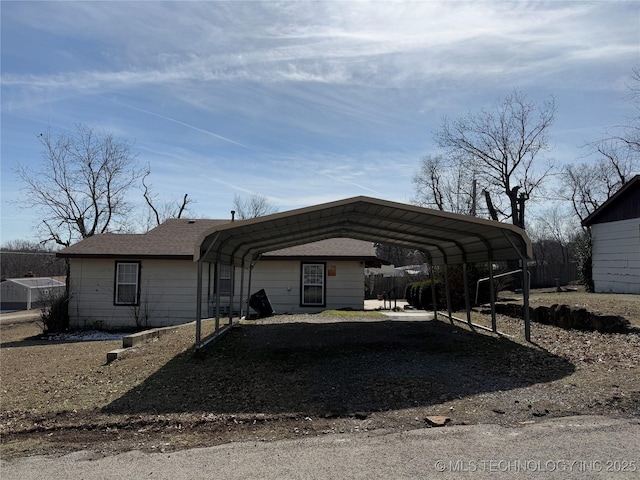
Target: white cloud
{"x":342,"y":43}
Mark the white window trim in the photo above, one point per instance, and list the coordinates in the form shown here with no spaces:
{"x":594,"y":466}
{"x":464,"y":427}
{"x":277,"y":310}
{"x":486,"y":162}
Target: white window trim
{"x":118,"y":283}
{"x":323,"y":284}
{"x":225,"y":277}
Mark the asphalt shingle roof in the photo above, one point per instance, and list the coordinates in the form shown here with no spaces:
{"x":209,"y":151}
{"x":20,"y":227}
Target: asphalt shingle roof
{"x":177,"y":237}
{"x":174,"y":238}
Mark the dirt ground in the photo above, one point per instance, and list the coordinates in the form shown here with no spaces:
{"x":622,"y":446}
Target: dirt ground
{"x":300,"y":375}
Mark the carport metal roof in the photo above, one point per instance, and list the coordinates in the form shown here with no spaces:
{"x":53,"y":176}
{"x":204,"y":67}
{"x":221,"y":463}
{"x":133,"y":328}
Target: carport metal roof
{"x":447,"y":238}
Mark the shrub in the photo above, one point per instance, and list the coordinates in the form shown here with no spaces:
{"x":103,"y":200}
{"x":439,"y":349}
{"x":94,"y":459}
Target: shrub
{"x":415,"y":295}
{"x":426,"y":298}
{"x":418,"y":294}
{"x":456,"y":284}
{"x":583,"y":254}
{"x":408,"y":293}
{"x":55,"y":315}
{"x":412,"y":294}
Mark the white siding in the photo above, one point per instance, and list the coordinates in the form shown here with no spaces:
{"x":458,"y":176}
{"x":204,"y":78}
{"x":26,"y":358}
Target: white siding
{"x":168,"y":290}
{"x":616,"y":256}
{"x":281,"y":280}
{"x":167,"y":293}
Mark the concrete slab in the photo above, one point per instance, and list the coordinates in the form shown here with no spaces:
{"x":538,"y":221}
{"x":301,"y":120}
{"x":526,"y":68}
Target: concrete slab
{"x":147,"y":335}
{"x":137,"y":338}
{"x":115,"y":354}
{"x":399,"y":313}
{"x":374,"y":304}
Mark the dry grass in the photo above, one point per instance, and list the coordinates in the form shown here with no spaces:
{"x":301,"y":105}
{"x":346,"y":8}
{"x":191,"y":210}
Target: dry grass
{"x":340,"y":372}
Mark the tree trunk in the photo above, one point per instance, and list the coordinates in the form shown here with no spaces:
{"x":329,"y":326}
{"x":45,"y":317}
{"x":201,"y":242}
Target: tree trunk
{"x":492,"y":211}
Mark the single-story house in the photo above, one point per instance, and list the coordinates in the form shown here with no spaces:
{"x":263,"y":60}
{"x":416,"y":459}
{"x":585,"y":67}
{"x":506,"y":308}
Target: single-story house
{"x":28,"y":293}
{"x":140,"y":280}
{"x":615,"y":231}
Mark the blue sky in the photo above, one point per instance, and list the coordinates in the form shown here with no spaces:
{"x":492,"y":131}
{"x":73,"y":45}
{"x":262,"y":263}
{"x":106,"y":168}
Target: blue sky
{"x":300,"y":102}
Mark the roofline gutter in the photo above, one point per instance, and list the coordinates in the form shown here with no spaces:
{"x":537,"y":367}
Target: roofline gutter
{"x":128,"y":256}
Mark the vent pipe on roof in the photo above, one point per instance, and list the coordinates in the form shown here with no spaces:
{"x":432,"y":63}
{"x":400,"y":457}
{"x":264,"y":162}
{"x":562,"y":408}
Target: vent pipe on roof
{"x":233,"y":215}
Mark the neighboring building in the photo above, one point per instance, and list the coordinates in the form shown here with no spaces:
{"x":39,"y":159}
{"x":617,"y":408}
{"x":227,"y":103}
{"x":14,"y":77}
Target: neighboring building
{"x":29,"y":293}
{"x":140,"y":280}
{"x":615,"y":230}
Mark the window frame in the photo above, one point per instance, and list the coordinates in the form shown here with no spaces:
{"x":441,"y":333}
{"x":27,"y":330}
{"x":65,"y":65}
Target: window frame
{"x":323,"y":285}
{"x":225,"y":278}
{"x":116,"y":283}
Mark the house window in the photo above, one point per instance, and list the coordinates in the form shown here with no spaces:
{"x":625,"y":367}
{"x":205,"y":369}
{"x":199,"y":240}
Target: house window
{"x":127,"y":283}
{"x":225,"y":279}
{"x":313,"y":279}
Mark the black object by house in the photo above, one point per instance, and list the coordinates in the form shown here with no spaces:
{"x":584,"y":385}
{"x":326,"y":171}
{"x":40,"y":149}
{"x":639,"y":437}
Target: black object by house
{"x":261,"y":304}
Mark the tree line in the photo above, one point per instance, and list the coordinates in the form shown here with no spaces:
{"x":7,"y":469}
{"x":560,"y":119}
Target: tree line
{"x":23,"y":258}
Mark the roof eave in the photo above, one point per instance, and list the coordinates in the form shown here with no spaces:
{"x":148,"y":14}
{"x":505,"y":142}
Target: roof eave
{"x":127,"y":256}
{"x":591,"y":219}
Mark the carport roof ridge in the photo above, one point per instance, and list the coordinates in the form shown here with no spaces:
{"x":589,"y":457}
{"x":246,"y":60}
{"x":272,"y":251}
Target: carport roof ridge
{"x":447,"y":238}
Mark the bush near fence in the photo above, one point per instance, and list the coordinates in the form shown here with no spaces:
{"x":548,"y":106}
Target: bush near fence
{"x":418,"y":294}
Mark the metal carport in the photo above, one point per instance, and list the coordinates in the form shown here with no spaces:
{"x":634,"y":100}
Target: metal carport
{"x":445,"y":238}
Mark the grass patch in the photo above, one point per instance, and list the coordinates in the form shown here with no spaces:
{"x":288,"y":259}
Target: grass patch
{"x":351,"y":313}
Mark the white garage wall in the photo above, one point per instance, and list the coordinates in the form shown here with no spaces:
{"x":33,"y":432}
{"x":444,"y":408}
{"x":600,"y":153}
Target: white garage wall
{"x":616,"y":256}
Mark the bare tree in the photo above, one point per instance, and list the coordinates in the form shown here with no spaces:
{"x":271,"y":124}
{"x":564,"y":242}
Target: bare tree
{"x":617,"y":159}
{"x":503,"y":148}
{"x":553,"y":232}
{"x":161,"y":209}
{"x":445,"y":185}
{"x":252,"y":207}
{"x":587,"y":186}
{"x":397,"y":255}
{"x":631,"y":131}
{"x":81,"y":186}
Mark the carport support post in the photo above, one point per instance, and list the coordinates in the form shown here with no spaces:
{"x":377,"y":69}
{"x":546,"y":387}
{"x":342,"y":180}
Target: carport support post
{"x":242,"y":268}
{"x":522,"y":253}
{"x":492,"y":295}
{"x":233,"y":291}
{"x":249,"y":288}
{"x":217,"y":284}
{"x":199,"y":304}
{"x":467,"y":303}
{"x":448,"y":292}
{"x":525,"y":298}
{"x":199,"y":292}
{"x":433,"y":291}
